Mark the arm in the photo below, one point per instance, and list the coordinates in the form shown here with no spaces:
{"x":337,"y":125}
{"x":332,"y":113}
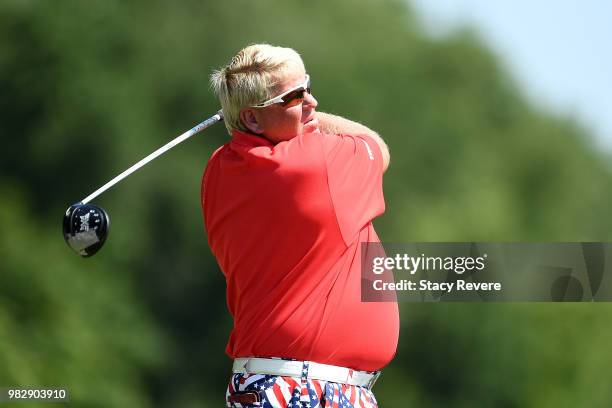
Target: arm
{"x":335,"y":125}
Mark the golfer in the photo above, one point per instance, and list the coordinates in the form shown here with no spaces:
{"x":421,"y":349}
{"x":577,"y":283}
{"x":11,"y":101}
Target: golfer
{"x":286,"y":204}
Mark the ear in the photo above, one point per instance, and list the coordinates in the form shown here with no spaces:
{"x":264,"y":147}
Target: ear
{"x":250,"y":119}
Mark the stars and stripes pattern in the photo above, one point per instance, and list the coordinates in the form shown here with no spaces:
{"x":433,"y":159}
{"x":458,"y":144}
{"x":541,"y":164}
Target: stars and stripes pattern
{"x":292,"y":392}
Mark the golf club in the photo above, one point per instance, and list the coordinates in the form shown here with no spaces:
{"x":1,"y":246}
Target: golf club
{"x":86,"y":226}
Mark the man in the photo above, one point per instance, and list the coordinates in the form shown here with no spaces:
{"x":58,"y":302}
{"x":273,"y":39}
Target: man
{"x":286,"y":204}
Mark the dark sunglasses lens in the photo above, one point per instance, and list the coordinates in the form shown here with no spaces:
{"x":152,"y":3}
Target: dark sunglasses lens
{"x":295,"y":96}
{"x":291,"y":96}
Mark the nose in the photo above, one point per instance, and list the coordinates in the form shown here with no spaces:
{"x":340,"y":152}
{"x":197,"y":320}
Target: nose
{"x":310,"y":101}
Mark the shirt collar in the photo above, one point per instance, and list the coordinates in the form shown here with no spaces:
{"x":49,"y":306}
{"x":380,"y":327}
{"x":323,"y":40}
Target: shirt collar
{"x":248,"y":139}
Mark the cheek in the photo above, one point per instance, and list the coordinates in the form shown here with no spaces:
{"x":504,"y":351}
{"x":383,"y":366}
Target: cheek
{"x":290,"y":119}
{"x":284,"y":123}
{"x":295,"y":115}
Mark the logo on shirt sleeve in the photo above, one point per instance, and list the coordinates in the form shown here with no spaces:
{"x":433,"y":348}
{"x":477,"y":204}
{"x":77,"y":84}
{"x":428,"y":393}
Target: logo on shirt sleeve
{"x":370,"y":154}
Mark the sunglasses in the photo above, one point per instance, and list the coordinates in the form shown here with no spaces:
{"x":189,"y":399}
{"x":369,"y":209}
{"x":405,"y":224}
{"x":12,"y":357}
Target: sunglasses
{"x":289,"y":98}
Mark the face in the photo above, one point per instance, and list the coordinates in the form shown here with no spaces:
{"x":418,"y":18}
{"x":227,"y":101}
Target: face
{"x":277,"y":122}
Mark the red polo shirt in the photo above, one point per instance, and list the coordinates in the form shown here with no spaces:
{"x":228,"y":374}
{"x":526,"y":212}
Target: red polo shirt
{"x":285,"y":222}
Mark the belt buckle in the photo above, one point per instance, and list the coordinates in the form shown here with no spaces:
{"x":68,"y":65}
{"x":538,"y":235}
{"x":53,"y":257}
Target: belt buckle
{"x":373,"y":380}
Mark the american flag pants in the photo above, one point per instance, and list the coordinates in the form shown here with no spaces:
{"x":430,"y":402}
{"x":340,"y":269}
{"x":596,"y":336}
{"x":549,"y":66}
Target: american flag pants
{"x":277,"y":391}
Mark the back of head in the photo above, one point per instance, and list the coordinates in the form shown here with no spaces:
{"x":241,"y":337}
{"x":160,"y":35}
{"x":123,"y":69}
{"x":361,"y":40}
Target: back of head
{"x":251,"y":77}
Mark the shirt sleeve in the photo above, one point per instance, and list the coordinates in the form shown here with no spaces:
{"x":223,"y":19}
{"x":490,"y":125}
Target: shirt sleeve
{"x":354,"y":176}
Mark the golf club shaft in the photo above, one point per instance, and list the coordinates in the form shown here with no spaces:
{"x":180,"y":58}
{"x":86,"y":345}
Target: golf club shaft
{"x":196,"y":129}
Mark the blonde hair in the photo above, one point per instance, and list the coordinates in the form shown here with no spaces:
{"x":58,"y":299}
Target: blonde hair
{"x":251,"y":77}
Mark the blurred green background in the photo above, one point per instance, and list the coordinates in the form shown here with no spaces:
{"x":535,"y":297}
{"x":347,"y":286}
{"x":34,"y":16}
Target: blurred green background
{"x":88,"y":88}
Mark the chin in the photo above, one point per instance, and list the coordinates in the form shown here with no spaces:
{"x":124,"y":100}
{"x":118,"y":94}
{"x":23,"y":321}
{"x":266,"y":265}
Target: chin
{"x":311,"y":127}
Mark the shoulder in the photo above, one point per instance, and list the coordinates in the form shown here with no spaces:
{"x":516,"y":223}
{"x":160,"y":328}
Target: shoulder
{"x":347,"y":145}
{"x":214,"y":158}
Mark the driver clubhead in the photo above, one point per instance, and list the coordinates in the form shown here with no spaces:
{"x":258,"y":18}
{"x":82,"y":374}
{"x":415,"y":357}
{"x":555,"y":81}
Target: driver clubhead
{"x":85,"y":228}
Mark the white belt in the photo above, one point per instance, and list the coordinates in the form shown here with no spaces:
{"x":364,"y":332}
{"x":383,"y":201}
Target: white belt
{"x":292,"y":368}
